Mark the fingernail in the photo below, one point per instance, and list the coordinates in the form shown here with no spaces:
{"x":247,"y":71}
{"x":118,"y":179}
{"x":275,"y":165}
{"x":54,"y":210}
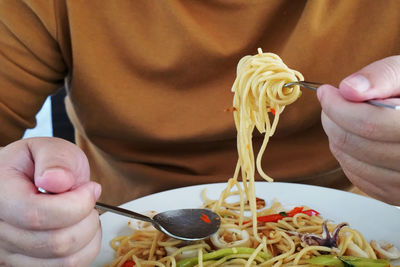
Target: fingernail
{"x":54,"y":172}
{"x":358,"y":82}
{"x":55,"y":180}
{"x":96,"y":190}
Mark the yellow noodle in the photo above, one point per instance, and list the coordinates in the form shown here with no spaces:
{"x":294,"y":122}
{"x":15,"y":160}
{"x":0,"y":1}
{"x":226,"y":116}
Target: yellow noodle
{"x":259,"y":99}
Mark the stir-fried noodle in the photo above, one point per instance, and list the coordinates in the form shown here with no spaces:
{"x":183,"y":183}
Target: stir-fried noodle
{"x":250,"y":234}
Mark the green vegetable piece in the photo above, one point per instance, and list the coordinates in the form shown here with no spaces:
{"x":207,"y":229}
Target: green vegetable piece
{"x":364,"y":262}
{"x":284,"y":214}
{"x":347,"y":261}
{"x":190,"y":262}
{"x":326,"y":260}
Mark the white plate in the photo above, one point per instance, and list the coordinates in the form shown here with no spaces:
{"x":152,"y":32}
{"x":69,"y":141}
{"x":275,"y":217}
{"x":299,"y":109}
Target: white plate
{"x":375,"y":219}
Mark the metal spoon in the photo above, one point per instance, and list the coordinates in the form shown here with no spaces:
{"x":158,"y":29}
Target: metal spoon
{"x":183,"y":224}
{"x":393,"y":103}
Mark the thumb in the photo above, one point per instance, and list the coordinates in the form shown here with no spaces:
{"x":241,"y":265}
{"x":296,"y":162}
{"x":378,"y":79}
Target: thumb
{"x":380,"y":79}
{"x":59,"y":165}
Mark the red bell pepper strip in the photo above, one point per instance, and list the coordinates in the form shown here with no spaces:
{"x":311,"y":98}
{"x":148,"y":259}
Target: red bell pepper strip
{"x":270,"y":218}
{"x":310,"y":212}
{"x":294,"y":211}
{"x":129,"y":264}
{"x":279,"y":216}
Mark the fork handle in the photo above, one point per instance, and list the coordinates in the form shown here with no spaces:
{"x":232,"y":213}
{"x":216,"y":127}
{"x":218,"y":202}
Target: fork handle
{"x":379,"y":103}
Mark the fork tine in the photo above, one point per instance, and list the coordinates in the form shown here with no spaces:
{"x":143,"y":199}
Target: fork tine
{"x":309,"y":85}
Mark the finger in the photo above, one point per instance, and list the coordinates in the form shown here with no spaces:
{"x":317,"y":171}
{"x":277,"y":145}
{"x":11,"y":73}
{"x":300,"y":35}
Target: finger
{"x":377,"y":182}
{"x":380,"y":79}
{"x":362,"y":119}
{"x":59,"y":164}
{"x":49,"y":244}
{"x":20,"y":203}
{"x":383,"y":154}
{"x":36,"y":211}
{"x":52,"y":163}
{"x":83,"y":257}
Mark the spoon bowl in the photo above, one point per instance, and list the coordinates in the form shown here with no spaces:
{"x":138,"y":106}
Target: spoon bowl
{"x":183,"y":224}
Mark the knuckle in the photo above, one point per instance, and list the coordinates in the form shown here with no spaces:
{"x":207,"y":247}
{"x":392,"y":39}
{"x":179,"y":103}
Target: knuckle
{"x":340,"y":140}
{"x":390,"y":69}
{"x":336,"y":152}
{"x":33,"y":218}
{"x":367,"y":129}
{"x":60,"y":244}
{"x":84,"y":210}
{"x":345,"y":161}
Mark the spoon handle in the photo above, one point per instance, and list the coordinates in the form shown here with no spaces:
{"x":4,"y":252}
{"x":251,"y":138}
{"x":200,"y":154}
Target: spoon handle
{"x":123,"y":212}
{"x":115,"y":209}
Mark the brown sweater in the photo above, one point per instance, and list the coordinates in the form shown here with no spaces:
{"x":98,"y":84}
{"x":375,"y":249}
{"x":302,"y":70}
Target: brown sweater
{"x":148,"y":80}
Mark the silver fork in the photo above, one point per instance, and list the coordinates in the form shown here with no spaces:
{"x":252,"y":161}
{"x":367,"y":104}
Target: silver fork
{"x":387,"y":103}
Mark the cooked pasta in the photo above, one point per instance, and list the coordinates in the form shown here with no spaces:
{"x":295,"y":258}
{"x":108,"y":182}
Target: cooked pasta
{"x":258,"y":91}
{"x":250,"y":234}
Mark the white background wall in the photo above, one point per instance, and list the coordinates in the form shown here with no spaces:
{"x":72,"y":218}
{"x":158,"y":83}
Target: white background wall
{"x":44,"y":125}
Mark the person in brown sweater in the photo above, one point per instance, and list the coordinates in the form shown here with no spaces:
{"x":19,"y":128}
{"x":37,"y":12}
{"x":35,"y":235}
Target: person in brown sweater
{"x":147,"y":84}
